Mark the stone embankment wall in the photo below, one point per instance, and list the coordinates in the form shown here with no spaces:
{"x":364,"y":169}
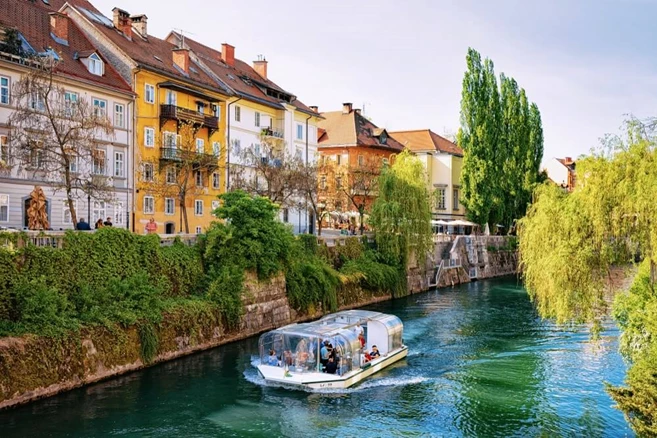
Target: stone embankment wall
{"x":34,"y":367}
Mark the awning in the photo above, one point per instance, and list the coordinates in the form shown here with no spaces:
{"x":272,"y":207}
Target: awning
{"x":459,"y":222}
{"x":439,"y":222}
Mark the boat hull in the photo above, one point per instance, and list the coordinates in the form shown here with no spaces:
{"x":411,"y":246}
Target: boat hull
{"x":277,"y":375}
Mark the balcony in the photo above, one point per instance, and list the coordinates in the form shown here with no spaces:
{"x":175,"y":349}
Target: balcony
{"x":272,"y":132}
{"x":178,"y":155}
{"x":173,"y":112}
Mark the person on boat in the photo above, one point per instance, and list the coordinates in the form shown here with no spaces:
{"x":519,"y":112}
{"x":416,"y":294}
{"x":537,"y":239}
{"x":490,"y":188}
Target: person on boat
{"x":287,"y":358}
{"x":272,"y":359}
{"x":375,"y":352}
{"x":324,"y":353}
{"x":331,"y":365}
{"x":358,"y":329}
{"x":361,"y":339}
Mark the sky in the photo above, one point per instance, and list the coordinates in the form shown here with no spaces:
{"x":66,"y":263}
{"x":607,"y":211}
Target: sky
{"x":586,"y":63}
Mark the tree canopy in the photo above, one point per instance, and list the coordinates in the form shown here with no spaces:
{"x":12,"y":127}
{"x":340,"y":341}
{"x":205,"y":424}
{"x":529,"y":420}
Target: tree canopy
{"x":502,"y":138}
{"x":610,"y":218}
{"x":401,"y":214}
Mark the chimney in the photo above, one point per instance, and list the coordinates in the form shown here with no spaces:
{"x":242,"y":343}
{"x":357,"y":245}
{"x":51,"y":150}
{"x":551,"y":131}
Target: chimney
{"x":314,"y":108}
{"x":139,"y":23}
{"x":260,"y":66}
{"x":121,"y":20}
{"x":357,"y":110}
{"x":181,"y":59}
{"x":59,"y":25}
{"x":228,"y":54}
{"x":346,"y":107}
{"x":569,"y":159}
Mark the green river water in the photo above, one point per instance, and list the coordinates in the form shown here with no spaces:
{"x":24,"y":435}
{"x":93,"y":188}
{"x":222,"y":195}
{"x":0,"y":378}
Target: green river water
{"x":480,"y":364}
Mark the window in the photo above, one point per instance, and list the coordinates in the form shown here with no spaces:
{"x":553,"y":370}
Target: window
{"x":99,"y":211}
{"x":70,"y":103}
{"x":149,"y":137}
{"x":95,"y":65}
{"x":4,"y":148}
{"x":237,"y":146}
{"x":119,"y":115}
{"x":238,"y":114}
{"x":338,"y":159}
{"x":216,"y":110}
{"x":286,"y":215}
{"x":36,"y":101}
{"x":198,"y":207}
{"x":198,"y":176}
{"x":67,"y":216}
{"x":171,"y":175}
{"x":455,"y":205}
{"x":36,"y":157}
{"x":338,"y":183}
{"x":299,"y":154}
{"x":100,"y":107}
{"x":200,"y":146}
{"x":215,"y":205}
{"x":216,"y":148}
{"x":322,"y":183}
{"x":200,"y":107}
{"x":170,"y":139}
{"x":119,"y":213}
{"x":383,"y":138}
{"x":361,"y":161}
{"x":169,"y":206}
{"x":148,"y":172}
{"x":149,"y":93}
{"x":440,"y":198}
{"x":149,"y":204}
{"x":73,"y":163}
{"x":299,"y":132}
{"x":4,"y":208}
{"x":171,"y":97}
{"x":4,"y":90}
{"x":118,"y":164}
{"x":198,"y":230}
{"x":215,"y":180}
{"x":257,"y":119}
{"x":99,"y":162}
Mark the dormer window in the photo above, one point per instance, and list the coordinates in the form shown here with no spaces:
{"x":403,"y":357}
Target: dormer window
{"x":95,"y":65}
{"x":383,"y":138}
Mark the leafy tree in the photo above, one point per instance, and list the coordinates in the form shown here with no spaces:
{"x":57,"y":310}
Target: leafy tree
{"x":55,"y":138}
{"x":502,"y":140}
{"x":610,"y":218}
{"x":12,"y":43}
{"x":401,"y":214}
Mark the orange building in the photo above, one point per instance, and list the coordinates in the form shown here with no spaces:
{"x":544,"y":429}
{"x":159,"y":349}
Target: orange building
{"x":352,"y":152}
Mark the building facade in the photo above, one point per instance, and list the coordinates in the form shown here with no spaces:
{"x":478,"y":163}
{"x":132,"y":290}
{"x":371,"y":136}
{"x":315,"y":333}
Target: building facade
{"x":561,"y":171}
{"x":260,"y":116}
{"x":352,"y":152}
{"x":85,"y":75}
{"x":179,"y":122}
{"x":443,"y":161}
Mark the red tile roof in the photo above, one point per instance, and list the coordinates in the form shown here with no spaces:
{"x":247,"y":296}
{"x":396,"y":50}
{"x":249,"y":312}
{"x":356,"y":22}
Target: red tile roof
{"x":233,"y":75}
{"x":352,"y":129}
{"x":422,"y":140}
{"x":151,"y":52}
{"x":32,"y":20}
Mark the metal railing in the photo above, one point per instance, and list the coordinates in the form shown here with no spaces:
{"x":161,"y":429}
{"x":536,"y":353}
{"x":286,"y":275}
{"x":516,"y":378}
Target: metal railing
{"x":55,"y":239}
{"x":179,"y":113}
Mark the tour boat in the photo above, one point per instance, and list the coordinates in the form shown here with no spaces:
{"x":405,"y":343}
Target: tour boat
{"x":292,"y":355}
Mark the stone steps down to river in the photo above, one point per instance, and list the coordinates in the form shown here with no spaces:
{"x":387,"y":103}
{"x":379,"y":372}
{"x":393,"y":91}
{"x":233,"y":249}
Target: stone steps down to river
{"x":34,"y":367}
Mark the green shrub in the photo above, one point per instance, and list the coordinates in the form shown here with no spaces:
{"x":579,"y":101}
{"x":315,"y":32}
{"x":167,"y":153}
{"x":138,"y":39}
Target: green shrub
{"x":309,"y":243}
{"x":225,"y":290}
{"x":311,"y":282}
{"x":376,"y":275}
{"x":148,"y":341}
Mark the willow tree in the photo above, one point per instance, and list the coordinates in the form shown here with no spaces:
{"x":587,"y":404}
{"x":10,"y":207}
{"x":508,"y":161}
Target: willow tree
{"x":610,"y":218}
{"x":401,"y":214}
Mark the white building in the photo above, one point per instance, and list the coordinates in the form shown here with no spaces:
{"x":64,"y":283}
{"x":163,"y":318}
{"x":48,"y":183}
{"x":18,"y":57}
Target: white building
{"x":85,"y":75}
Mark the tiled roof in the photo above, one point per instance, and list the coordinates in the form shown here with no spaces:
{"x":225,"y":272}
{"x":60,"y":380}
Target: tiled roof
{"x":423,"y":140}
{"x":150,"y":52}
{"x":31,"y":19}
{"x":233,"y":75}
{"x":352,"y":129}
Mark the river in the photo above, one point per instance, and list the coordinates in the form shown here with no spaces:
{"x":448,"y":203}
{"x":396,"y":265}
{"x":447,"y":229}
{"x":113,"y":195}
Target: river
{"x":480,"y":364}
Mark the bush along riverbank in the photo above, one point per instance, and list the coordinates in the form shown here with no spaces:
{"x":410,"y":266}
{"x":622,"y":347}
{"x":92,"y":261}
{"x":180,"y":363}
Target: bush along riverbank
{"x":109,"y":302}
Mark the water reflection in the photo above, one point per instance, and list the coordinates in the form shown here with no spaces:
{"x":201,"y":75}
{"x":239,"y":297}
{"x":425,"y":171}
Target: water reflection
{"x":480,"y":364}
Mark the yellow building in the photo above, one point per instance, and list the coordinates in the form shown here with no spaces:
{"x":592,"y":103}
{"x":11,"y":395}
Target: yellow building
{"x":444,"y":162}
{"x":179,"y":120}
